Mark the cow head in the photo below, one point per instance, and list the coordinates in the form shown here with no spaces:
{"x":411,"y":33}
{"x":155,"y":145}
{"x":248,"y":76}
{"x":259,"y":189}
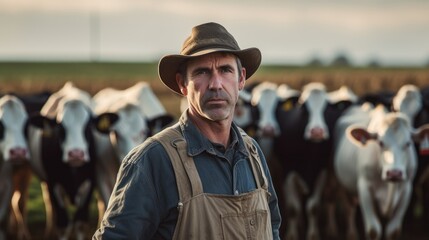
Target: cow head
{"x":315,"y":99}
{"x":13,"y":122}
{"x":128,"y":130}
{"x":71,"y":130}
{"x":393,"y":138}
{"x":265,"y":98}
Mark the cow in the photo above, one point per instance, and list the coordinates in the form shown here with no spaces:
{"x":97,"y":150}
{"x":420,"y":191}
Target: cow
{"x":255,"y":114}
{"x":140,"y":115}
{"x":63,"y":157}
{"x":15,"y":171}
{"x":414,"y":103}
{"x":304,"y":149}
{"x":375,"y":163}
{"x":255,"y":111}
{"x":411,"y":101}
{"x":152,"y":108}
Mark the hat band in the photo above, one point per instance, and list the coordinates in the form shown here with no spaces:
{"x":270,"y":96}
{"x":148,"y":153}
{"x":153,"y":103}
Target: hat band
{"x":201,"y":46}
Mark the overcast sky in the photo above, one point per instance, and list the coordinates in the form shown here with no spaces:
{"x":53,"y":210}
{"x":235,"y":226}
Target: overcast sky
{"x":390,"y":31}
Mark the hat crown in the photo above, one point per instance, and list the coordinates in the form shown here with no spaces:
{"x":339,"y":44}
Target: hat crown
{"x":208,"y":36}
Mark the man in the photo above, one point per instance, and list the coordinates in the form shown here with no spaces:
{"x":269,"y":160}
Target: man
{"x":202,"y":178}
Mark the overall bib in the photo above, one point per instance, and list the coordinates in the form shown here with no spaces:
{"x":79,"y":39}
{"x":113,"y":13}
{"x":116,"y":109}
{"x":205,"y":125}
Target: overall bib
{"x":214,"y":216}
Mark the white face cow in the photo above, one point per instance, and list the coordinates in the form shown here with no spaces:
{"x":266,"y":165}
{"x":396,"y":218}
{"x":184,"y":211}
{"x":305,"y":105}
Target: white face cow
{"x":315,"y":97}
{"x":74,"y":116}
{"x":63,"y":152}
{"x":264,"y":97}
{"x":376,"y":161}
{"x":13,"y":119}
{"x":151,"y":107}
{"x":15,"y":173}
{"x":130,"y":130}
{"x":67,"y":117}
{"x":396,"y":152}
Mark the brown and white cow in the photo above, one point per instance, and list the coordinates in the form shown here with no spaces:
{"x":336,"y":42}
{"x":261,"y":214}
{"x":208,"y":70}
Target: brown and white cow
{"x":15,"y":172}
{"x":375,"y":161}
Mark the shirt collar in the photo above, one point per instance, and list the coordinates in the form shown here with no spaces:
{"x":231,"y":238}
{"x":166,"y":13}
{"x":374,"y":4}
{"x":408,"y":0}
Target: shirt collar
{"x":197,"y":142}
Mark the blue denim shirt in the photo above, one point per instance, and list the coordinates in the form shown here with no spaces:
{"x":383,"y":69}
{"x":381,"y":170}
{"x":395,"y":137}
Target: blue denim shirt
{"x":143,"y":204}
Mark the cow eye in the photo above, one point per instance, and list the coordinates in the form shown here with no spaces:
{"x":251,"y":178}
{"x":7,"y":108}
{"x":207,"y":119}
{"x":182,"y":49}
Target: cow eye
{"x":407,"y":144}
{"x":61,"y":132}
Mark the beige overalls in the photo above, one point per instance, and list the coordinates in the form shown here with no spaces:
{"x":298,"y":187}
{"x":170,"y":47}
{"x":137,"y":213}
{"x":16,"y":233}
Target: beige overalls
{"x":213,"y":216}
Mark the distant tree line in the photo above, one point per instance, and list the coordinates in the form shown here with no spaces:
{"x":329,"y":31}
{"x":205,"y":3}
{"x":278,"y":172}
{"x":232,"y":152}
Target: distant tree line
{"x":342,"y":60}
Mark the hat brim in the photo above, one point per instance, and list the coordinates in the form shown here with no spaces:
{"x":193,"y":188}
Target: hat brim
{"x":169,"y":65}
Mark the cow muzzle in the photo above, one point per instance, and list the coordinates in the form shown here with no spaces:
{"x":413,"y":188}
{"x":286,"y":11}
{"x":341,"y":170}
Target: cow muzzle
{"x":76,"y":158}
{"x":18,"y":155}
{"x":394,"y":175}
{"x":317,"y":134}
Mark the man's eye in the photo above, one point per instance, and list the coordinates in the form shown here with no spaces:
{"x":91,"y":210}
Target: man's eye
{"x":201,"y":72}
{"x":226,"y":69}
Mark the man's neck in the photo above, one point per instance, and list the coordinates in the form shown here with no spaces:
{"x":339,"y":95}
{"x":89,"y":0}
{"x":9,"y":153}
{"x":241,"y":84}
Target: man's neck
{"x":215,"y":131}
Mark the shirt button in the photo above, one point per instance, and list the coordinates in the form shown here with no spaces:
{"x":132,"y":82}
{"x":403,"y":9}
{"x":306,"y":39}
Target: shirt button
{"x":252,"y":222}
{"x":236,"y":192}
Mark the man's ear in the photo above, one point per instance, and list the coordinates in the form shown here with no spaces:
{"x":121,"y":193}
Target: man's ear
{"x":242,"y":79}
{"x":181,"y":83}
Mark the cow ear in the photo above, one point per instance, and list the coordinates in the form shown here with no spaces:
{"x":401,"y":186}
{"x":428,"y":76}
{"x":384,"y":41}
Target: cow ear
{"x":40,"y":121}
{"x":1,"y":131}
{"x":421,"y":136}
{"x":43,"y":123}
{"x":360,"y":136}
{"x":157,"y":124}
{"x":104,"y":122}
{"x":342,"y":105}
{"x":161,"y":121}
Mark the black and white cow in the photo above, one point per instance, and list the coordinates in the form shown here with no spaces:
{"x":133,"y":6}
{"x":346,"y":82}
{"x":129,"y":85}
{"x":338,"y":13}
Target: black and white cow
{"x":62,"y":149}
{"x":304,"y":149}
{"x":15,"y":171}
{"x":140,"y":114}
{"x":156,"y":115}
{"x":289,"y":121}
{"x":255,"y":111}
{"x":414,"y":103}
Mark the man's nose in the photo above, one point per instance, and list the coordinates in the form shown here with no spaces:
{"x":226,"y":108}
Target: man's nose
{"x":215,"y":81}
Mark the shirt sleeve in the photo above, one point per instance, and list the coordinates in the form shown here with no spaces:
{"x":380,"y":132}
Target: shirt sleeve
{"x":135,"y":210}
{"x":273,"y":202}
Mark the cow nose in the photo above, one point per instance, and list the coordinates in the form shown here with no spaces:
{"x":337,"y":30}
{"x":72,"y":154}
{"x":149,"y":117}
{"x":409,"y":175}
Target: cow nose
{"x":76,"y":157}
{"x":76,"y":153}
{"x":268,"y":131}
{"x":18,"y":153}
{"x":317,"y":134}
{"x":394,"y":175}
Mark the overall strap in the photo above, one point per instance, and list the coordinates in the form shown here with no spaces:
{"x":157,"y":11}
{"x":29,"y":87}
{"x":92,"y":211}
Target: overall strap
{"x":187,"y":179}
{"x":255,"y":161}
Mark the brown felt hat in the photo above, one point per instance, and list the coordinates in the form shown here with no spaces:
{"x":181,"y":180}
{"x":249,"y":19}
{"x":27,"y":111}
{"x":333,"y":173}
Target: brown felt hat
{"x":206,"y":38}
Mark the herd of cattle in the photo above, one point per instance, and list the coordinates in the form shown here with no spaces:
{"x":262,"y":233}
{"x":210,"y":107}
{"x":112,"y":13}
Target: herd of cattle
{"x":339,"y":162}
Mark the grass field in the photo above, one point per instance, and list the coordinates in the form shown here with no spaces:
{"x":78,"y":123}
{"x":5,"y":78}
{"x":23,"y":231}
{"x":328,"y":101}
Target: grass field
{"x":35,"y":77}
